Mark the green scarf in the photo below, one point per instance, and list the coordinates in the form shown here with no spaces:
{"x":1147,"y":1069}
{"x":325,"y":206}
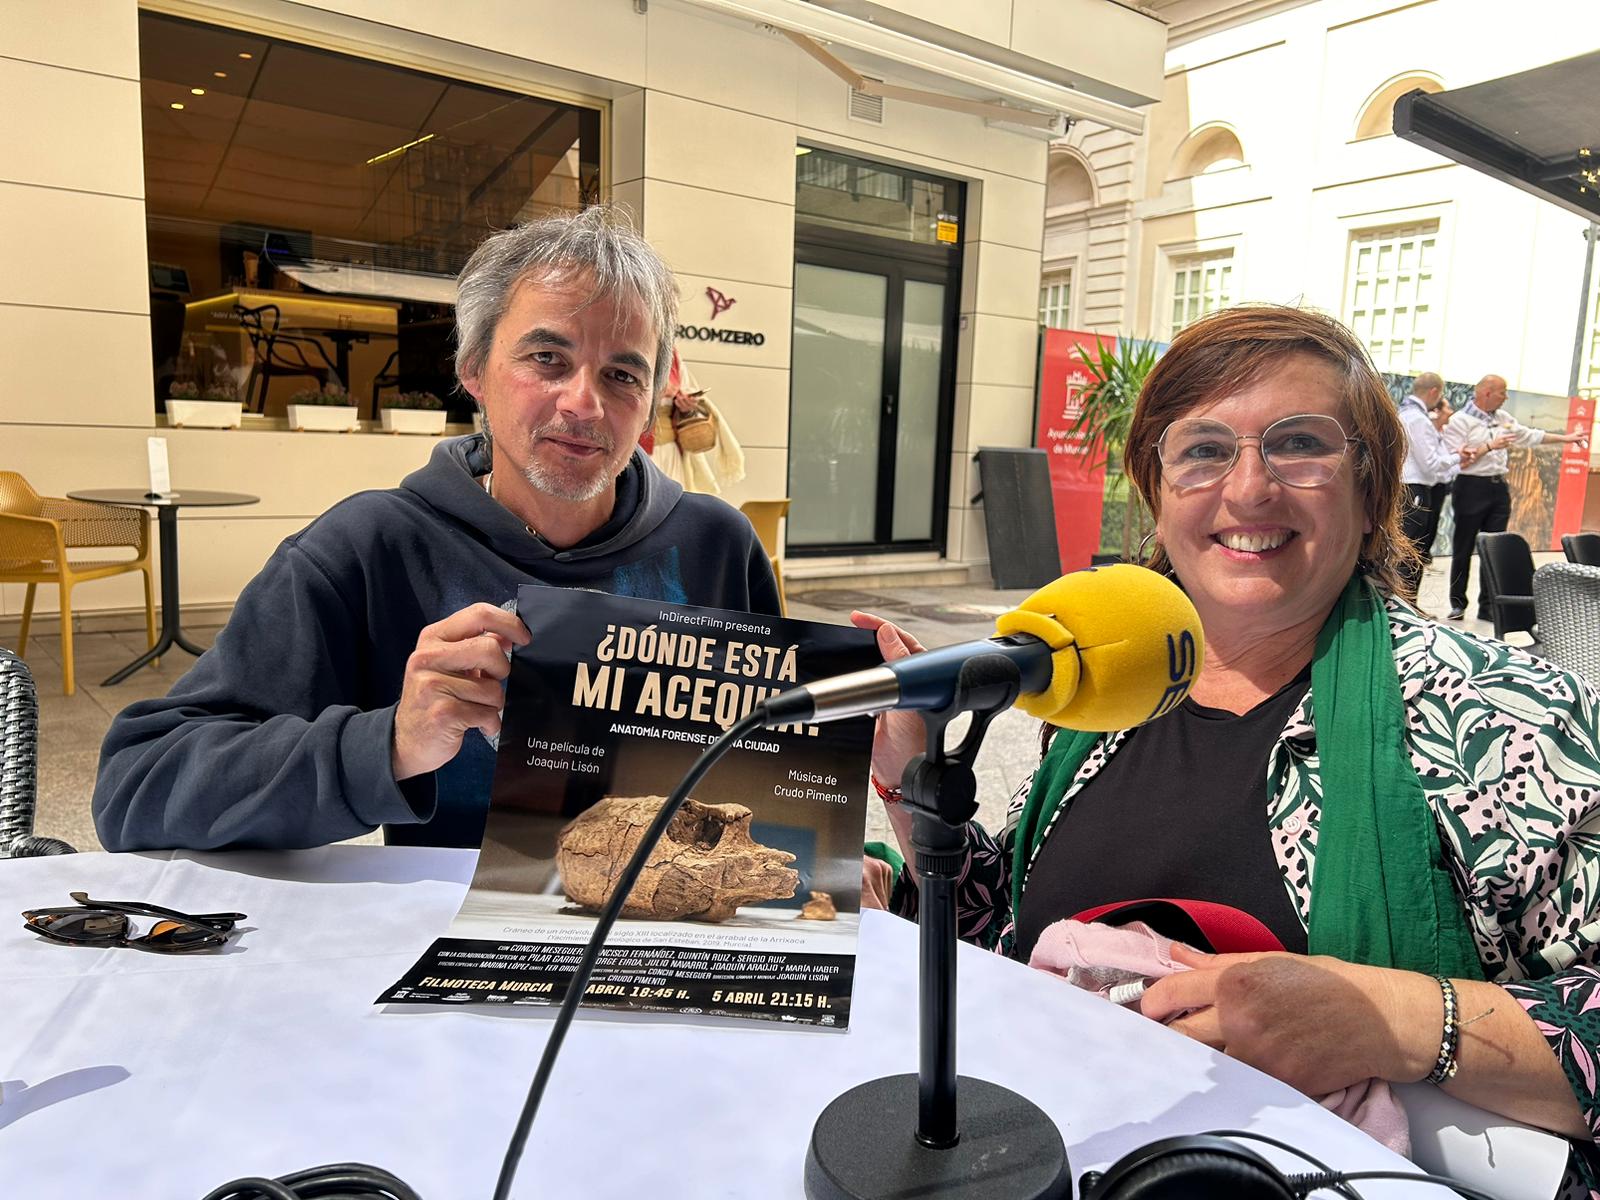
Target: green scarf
{"x":1381,"y":893}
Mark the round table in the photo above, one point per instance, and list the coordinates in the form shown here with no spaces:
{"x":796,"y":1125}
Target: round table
{"x":166,"y":507}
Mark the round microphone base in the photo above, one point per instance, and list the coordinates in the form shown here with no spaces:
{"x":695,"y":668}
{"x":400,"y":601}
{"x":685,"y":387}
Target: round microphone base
{"x":864,"y":1147}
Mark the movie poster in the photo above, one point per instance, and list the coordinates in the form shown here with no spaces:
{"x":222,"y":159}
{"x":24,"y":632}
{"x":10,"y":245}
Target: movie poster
{"x":751,"y":904}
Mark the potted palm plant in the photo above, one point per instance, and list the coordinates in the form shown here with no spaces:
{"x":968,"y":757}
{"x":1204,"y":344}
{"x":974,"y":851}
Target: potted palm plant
{"x":327,"y":409}
{"x":414,"y":412}
{"x":1116,"y":373}
{"x":214,"y":406}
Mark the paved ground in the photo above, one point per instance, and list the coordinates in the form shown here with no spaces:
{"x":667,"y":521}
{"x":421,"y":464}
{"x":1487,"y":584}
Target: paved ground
{"x":71,"y":727}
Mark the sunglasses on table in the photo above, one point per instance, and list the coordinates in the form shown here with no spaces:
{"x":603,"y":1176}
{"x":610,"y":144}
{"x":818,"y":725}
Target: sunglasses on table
{"x":1302,"y":451}
{"x":105,"y":923}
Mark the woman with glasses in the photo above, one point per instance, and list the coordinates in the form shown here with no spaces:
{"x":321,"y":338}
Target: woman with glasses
{"x":1408,"y":810}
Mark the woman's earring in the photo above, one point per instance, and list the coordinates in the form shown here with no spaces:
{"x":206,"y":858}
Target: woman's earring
{"x":1141,"y":556}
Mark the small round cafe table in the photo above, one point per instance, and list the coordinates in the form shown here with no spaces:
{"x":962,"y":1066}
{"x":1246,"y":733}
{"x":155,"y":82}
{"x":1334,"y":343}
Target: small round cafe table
{"x":166,"y":507}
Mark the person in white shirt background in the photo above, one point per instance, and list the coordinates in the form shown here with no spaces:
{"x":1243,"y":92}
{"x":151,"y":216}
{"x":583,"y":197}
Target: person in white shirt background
{"x":1482,"y":432}
{"x":1430,"y":466}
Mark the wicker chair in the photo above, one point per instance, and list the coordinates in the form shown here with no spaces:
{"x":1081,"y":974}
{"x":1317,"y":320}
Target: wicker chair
{"x":19,"y":761}
{"x":36,"y":532}
{"x":1567,"y":599}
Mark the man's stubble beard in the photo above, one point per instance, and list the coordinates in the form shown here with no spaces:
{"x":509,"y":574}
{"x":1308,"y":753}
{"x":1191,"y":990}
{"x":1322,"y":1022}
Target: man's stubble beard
{"x":555,"y":483}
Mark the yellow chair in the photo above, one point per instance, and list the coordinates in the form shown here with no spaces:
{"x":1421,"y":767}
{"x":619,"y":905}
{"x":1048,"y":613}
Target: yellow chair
{"x":764,"y":515}
{"x":36,"y":532}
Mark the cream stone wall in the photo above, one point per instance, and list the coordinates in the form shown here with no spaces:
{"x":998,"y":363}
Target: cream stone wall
{"x":1291,"y":85}
{"x":704,"y":116}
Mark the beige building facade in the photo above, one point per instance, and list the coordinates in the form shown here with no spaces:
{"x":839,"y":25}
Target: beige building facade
{"x":1269,"y":172}
{"x":703,"y":107}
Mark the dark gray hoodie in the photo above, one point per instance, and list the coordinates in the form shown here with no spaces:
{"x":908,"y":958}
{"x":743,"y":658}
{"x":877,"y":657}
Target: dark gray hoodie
{"x":280,"y":735}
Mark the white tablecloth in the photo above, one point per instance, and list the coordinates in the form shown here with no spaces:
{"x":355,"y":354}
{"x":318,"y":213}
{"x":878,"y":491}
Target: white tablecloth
{"x":134,"y":1075}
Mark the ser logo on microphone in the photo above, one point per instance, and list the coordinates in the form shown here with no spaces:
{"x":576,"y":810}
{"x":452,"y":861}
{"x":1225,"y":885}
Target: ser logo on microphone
{"x":1181,"y":664}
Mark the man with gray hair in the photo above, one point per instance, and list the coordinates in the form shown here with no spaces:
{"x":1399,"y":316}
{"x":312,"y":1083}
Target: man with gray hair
{"x":361,"y":674}
{"x":1481,"y":433}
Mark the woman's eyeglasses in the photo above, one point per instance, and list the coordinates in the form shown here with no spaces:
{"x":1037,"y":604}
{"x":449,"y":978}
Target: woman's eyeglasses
{"x":1302,"y":451}
{"x":105,"y":923}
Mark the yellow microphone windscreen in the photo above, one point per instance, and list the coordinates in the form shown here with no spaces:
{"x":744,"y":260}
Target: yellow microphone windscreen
{"x":1127,"y":644}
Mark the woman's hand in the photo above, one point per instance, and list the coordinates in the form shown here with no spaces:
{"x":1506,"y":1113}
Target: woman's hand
{"x":1317,"y":1023}
{"x":899,"y":734}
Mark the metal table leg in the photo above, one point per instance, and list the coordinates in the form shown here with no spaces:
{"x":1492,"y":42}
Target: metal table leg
{"x":171,"y":634}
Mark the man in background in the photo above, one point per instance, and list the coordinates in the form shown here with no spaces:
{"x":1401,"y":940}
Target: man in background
{"x":1482,"y":433}
{"x":1429,"y":469}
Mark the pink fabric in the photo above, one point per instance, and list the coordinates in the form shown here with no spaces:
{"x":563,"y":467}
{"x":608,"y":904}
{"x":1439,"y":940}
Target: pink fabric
{"x":1116,"y":962}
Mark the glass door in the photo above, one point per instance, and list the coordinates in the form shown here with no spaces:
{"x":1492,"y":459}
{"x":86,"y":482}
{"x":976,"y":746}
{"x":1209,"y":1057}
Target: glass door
{"x":868,"y":404}
{"x":835,"y":426}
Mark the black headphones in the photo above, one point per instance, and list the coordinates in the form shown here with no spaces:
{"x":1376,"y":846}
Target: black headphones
{"x":1189,"y":1168}
{"x":1214,"y":1166}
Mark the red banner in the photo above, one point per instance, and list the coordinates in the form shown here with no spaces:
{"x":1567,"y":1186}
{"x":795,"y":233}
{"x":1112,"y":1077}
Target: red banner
{"x":1078,"y":488}
{"x":1574,"y":483}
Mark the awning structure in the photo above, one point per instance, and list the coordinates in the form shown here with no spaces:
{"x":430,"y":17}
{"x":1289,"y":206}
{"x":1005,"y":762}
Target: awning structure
{"x":1538,"y":130}
{"x":1101,"y":62}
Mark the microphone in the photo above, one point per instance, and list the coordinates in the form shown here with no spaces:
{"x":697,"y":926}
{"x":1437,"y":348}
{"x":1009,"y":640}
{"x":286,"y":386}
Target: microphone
{"x":1099,"y":649}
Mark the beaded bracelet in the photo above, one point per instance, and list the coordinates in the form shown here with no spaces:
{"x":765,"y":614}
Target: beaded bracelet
{"x":1445,"y":1065}
{"x":889,"y":795}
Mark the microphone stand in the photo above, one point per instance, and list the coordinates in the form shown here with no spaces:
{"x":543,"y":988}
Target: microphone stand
{"x":995,"y":1145}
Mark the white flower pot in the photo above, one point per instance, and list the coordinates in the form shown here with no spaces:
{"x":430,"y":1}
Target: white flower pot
{"x":331,"y":418}
{"x":204,"y":414}
{"x":414,"y":420}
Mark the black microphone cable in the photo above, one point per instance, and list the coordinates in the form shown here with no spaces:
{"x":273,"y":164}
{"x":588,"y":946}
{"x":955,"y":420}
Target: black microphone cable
{"x":337,"y":1181}
{"x":602,"y":927}
{"x":1339,"y":1181}
{"x":357,"y":1181}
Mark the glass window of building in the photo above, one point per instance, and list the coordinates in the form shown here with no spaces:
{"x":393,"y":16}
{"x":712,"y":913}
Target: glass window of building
{"x":1390,"y":295}
{"x":837,"y":191}
{"x":1201,"y":283}
{"x":1055,"y":300}
{"x":308,"y":211}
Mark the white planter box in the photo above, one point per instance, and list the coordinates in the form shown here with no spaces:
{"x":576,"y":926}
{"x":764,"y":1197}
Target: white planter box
{"x":331,"y":418}
{"x":204,"y":414}
{"x":414,"y":420}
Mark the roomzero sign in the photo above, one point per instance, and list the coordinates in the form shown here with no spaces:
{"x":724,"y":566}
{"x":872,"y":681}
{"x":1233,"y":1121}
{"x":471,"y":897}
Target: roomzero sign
{"x":720,"y":303}
{"x":733,"y":337}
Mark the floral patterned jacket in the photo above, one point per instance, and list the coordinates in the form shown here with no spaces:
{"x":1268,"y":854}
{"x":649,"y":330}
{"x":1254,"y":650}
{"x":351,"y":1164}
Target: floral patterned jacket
{"x":1508,"y":751}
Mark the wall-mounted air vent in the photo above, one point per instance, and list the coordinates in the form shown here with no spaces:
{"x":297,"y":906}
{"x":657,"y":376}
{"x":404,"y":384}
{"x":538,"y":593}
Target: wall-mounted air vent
{"x":865,"y":107}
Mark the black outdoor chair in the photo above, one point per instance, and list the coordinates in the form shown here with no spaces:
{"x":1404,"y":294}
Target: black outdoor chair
{"x":1582,"y":548}
{"x":19,"y":763}
{"x":388,"y":376}
{"x":276,"y":355}
{"x":1507,"y":566}
{"x":1566,"y":597}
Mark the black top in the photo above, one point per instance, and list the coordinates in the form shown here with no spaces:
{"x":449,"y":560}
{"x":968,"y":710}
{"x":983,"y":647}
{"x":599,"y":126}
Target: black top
{"x":1179,"y":811}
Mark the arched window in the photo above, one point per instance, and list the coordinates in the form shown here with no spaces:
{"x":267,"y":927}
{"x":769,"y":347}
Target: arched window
{"x":1209,"y":148}
{"x":1068,"y":182}
{"x":1377,"y":114}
